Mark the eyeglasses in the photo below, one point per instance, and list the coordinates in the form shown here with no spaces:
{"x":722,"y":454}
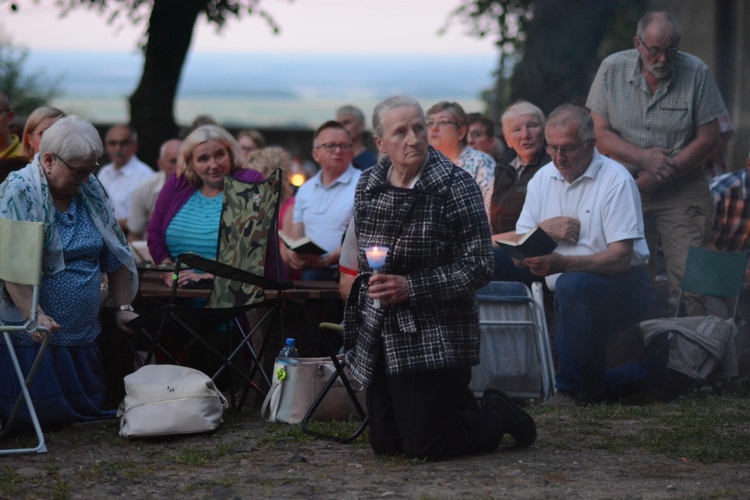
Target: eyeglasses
{"x":655,"y":52}
{"x":331,"y":147}
{"x":564,"y":150}
{"x":440,"y":124}
{"x":79,"y":174}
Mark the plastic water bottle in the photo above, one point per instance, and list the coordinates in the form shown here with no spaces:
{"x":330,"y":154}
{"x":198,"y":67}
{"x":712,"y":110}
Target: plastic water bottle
{"x":289,"y":350}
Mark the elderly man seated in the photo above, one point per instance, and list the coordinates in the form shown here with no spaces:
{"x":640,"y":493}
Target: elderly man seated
{"x":590,"y":205}
{"x":523,"y":130}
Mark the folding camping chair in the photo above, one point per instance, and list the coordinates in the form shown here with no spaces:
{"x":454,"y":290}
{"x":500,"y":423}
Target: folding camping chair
{"x":249,"y":219}
{"x":21,"y":262}
{"x":338,"y":375}
{"x":713,"y":273}
{"x":687,"y":353}
{"x":515,"y":353}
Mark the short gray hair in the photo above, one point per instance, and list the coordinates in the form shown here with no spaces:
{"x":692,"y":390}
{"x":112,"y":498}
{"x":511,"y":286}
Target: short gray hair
{"x":661,"y":17}
{"x":566,"y":113}
{"x":522,"y":107}
{"x":399,"y":101}
{"x":72,"y":138}
{"x":351,"y":110}
{"x":133,"y":132}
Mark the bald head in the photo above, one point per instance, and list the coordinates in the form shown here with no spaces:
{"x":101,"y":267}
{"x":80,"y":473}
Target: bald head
{"x":168,"y":154}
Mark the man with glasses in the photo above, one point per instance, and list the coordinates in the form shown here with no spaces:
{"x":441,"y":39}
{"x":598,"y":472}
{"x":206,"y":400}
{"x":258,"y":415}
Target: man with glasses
{"x":121,"y":177}
{"x":589,"y":204}
{"x":655,"y":110}
{"x":10,"y":145}
{"x":324,"y":204}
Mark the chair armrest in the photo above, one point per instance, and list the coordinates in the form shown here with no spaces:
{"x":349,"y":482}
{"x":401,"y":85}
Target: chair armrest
{"x":226,"y":271}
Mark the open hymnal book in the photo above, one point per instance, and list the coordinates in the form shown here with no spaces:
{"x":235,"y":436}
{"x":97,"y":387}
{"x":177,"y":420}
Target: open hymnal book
{"x":533,"y":244}
{"x":301,"y":245}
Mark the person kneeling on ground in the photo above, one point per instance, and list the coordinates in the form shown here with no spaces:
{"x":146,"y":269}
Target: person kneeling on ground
{"x":414,"y":350}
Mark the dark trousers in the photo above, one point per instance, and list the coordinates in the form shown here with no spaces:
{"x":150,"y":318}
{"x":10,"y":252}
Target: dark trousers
{"x":428,"y":414}
{"x":589,"y":308}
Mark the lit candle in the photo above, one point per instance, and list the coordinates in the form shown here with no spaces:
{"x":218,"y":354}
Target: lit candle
{"x":376,"y":259}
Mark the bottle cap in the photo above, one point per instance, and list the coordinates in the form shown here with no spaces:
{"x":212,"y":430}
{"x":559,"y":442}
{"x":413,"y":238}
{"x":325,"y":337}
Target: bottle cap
{"x":290,"y":341}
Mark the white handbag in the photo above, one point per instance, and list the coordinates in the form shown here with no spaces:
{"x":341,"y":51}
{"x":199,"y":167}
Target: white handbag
{"x":296,"y":384}
{"x":163,"y":400}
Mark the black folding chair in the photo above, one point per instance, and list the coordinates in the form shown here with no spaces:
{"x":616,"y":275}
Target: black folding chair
{"x":338,"y":374}
{"x":247,"y":237}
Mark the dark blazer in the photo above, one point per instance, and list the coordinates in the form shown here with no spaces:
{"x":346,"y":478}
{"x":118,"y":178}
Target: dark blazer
{"x":509,"y":191}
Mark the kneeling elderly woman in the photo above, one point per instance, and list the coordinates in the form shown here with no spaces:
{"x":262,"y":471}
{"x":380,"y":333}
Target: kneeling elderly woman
{"x":82,"y":240}
{"x":415,"y":351}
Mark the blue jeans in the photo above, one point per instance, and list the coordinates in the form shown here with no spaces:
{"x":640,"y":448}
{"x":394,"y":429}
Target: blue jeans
{"x":589,"y":308}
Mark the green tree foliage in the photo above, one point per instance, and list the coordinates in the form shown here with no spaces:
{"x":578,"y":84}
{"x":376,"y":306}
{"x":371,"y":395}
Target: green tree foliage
{"x":26,"y":91}
{"x":167,"y":36}
{"x":549,"y":49}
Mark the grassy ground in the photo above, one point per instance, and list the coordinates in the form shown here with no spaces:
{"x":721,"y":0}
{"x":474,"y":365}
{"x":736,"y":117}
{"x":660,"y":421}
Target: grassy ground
{"x":90,"y":460}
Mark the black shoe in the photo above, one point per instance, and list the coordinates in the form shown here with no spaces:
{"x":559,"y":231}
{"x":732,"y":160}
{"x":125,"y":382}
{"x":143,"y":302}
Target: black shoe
{"x":516,"y":422}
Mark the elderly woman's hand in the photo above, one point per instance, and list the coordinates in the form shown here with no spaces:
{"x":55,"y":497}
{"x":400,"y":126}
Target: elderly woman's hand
{"x":389,"y":288}
{"x":122,"y":318}
{"x":47,"y":322}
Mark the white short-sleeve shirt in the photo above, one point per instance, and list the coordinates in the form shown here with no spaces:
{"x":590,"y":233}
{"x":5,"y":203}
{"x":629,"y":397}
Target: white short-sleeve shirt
{"x":605,"y":199}
{"x":120,"y":184}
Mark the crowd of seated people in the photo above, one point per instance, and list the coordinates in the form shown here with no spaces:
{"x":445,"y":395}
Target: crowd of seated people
{"x":602,"y":182}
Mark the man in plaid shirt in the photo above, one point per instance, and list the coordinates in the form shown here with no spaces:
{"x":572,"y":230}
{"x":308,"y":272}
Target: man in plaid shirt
{"x":731,"y":232}
{"x":655,"y":110}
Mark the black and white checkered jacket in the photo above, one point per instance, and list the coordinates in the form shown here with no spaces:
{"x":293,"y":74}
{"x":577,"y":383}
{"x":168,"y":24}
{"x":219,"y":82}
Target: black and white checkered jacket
{"x":439,"y":239}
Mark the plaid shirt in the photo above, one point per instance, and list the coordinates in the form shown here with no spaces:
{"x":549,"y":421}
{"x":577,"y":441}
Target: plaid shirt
{"x":439,"y":240}
{"x":668,"y":119}
{"x":731,"y":194}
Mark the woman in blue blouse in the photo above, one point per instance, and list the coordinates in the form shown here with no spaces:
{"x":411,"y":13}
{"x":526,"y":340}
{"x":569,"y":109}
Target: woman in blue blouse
{"x":188,"y":211}
{"x":82,"y":241}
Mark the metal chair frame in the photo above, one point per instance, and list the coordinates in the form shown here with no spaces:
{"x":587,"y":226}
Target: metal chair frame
{"x":14,"y":233}
{"x":338,"y":374}
{"x":536,"y":323}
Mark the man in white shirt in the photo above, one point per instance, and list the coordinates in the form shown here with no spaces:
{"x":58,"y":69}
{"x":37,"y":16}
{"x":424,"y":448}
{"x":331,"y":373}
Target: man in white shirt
{"x":146,"y":193}
{"x":324,"y":204}
{"x":122,"y":176}
{"x":590,"y":206}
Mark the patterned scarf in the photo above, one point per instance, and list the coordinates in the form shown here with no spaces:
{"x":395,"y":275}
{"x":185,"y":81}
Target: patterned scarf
{"x":25,"y":196}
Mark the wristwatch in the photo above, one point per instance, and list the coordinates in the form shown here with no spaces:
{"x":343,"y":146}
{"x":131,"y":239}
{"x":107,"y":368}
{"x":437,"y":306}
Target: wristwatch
{"x":126,"y":307}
